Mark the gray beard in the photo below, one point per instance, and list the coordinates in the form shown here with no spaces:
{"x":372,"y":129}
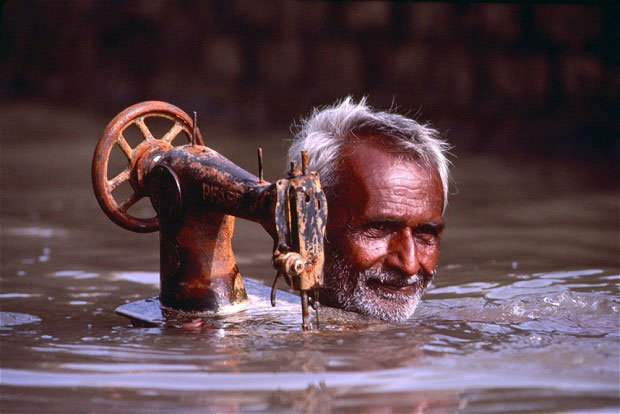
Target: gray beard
{"x":351,"y":292}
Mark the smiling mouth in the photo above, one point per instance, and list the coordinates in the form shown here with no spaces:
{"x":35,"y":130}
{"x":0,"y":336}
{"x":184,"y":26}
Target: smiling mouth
{"x":391,"y":288}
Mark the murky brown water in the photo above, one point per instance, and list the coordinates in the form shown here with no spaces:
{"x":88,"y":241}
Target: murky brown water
{"x":524,"y":315}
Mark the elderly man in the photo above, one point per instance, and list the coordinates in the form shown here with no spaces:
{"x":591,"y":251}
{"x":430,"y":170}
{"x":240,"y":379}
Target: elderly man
{"x":386,"y":181}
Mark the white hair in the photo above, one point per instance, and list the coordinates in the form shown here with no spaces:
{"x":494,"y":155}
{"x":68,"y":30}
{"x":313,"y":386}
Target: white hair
{"x":325,"y":132}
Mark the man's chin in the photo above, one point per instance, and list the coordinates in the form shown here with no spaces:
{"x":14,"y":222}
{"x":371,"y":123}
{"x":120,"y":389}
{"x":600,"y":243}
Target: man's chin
{"x":384,"y":302}
{"x":386,"y":295}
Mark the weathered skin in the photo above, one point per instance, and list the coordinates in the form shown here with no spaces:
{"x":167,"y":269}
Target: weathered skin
{"x":386,"y":223}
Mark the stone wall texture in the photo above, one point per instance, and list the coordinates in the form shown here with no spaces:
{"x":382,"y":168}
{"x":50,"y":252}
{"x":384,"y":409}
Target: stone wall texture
{"x":535,"y":78}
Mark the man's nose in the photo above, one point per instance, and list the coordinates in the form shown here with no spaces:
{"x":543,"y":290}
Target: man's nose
{"x":403,"y":254}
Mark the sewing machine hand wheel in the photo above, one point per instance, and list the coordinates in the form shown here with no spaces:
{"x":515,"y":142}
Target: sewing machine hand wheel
{"x":113,"y":135}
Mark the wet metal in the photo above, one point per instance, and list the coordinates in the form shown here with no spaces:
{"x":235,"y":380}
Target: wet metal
{"x":197,"y":193}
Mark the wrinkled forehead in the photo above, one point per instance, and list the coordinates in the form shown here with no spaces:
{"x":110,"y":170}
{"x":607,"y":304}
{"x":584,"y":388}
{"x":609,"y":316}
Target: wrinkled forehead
{"x":365,"y":156}
{"x":370,"y":173}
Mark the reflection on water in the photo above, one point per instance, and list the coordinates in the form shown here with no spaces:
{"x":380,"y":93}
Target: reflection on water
{"x":524,"y":314}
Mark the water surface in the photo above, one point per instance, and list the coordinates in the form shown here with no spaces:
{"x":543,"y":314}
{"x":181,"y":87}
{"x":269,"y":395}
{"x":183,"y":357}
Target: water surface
{"x":523,"y":316}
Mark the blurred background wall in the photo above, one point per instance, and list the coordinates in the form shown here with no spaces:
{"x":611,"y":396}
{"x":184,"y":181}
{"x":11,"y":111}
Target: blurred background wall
{"x":535,"y":79}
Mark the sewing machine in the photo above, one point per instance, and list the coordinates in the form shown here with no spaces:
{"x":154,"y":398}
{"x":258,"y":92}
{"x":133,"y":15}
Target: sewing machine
{"x":197,"y":193}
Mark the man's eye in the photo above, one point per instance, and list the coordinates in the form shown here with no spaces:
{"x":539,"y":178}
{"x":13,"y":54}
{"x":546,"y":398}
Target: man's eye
{"x":378,"y":229}
{"x":427,"y":235}
{"x":428,"y":239}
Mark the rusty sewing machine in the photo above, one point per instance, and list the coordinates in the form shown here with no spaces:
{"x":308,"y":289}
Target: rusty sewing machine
{"x":197,"y":193}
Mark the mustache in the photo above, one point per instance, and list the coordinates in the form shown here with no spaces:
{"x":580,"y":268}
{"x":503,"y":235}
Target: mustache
{"x":396,"y":278}
{"x":340,"y":275}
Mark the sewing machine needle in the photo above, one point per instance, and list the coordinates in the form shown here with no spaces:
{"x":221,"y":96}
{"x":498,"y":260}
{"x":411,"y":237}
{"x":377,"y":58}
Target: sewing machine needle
{"x":304,"y":310}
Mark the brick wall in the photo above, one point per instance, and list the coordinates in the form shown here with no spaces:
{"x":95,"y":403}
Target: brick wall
{"x":497,"y":77}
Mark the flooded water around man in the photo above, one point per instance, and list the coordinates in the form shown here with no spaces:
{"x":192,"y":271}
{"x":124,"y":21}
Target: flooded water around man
{"x":523,"y":314}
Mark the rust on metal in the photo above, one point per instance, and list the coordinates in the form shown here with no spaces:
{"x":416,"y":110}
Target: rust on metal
{"x":294,"y":171}
{"x":304,"y":162}
{"x":194,"y":127}
{"x":300,"y":217}
{"x":112,"y":136}
{"x":197,"y":193}
{"x":261,"y":179}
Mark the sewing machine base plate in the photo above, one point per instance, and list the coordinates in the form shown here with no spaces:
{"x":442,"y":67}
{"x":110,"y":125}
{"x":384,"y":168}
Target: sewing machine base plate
{"x":151,"y":313}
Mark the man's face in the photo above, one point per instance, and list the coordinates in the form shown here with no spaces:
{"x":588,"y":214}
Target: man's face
{"x":383,"y":233}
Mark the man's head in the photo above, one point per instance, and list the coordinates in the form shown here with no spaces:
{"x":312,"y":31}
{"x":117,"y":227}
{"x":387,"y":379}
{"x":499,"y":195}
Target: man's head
{"x":386,"y":181}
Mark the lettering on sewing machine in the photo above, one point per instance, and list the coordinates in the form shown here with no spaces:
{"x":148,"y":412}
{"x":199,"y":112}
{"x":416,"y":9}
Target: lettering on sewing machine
{"x":197,"y":193}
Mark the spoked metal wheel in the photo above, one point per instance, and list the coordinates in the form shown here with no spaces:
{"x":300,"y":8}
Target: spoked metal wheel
{"x":112,"y":136}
